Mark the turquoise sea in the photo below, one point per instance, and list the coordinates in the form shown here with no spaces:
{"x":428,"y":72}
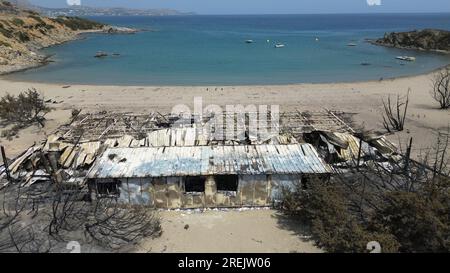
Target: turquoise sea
{"x":211,"y":50}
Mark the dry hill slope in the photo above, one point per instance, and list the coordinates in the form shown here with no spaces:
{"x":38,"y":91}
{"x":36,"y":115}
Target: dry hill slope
{"x":23,"y":32}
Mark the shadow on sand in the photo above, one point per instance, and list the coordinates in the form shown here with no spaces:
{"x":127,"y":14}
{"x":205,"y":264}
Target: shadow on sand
{"x":294,"y":225}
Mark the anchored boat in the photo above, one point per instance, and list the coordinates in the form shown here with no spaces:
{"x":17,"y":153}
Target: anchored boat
{"x":101,"y":54}
{"x":406,"y":58}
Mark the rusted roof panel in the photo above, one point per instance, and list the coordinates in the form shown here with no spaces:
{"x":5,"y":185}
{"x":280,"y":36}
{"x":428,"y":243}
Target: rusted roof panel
{"x":208,"y":160}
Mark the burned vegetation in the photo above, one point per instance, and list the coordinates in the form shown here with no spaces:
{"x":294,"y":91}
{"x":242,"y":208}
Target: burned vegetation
{"x":394,"y":113}
{"x":100,"y":178}
{"x":21,"y":111}
{"x":441,"y":88}
{"x":400,"y":203}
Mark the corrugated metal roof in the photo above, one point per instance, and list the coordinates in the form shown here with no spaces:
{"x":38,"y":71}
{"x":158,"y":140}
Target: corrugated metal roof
{"x":208,"y":160}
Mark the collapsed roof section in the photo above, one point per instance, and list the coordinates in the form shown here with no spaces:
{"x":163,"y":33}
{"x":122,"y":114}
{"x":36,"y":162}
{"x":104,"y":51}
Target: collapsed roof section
{"x":103,"y":125}
{"x":336,"y":147}
{"x":68,"y":154}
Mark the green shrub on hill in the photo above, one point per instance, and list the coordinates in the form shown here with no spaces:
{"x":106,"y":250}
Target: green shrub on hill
{"x":18,"y":22}
{"x":77,"y":23}
{"x":23,"y":37}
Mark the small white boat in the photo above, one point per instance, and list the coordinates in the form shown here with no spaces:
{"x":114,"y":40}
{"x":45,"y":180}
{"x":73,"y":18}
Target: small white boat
{"x":406,"y":58}
{"x":101,"y":54}
{"x":351,"y":44}
{"x":249,"y":41}
{"x":279,"y":45}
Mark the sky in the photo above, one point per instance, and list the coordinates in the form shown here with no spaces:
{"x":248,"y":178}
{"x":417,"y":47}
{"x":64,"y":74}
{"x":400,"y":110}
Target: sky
{"x":267,"y":6}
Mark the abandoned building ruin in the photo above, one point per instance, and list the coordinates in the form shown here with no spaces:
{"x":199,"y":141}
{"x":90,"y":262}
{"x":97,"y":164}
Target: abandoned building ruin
{"x":143,"y":159}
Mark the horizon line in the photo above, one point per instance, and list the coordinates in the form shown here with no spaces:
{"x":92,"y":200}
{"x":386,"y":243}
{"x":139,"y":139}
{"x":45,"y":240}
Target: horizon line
{"x":281,"y":13}
{"x":325,"y":13}
{"x":187,"y":13}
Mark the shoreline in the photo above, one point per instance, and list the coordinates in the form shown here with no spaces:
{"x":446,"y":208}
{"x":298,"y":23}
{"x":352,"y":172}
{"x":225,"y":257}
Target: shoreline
{"x":2,"y":78}
{"x":112,"y":30}
{"x":43,"y":59}
{"x":79,"y":36}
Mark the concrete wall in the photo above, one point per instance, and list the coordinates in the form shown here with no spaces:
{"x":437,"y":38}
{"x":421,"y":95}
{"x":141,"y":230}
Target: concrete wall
{"x":169,"y":193}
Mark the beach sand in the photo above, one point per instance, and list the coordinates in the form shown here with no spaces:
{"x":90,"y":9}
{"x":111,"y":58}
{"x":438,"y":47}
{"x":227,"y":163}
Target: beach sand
{"x":363,"y":99}
{"x":232,"y":231}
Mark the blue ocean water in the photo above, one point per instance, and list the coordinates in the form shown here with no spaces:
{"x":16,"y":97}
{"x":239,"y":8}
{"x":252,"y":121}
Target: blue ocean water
{"x":211,"y":50}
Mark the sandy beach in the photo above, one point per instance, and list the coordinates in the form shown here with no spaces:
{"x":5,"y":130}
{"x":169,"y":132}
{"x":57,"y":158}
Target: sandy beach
{"x":363,"y":99}
{"x":231,"y":231}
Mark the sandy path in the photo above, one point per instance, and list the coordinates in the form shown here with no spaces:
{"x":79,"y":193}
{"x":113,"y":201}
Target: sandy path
{"x":260,"y":231}
{"x":361,"y":98}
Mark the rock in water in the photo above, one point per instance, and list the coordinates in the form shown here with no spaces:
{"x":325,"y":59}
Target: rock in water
{"x":427,"y":39}
{"x":119,"y":30}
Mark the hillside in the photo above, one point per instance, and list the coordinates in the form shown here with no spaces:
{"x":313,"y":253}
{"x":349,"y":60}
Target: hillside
{"x":95,"y":11}
{"x":23,"y":32}
{"x":84,"y":10}
{"x":428,"y":39}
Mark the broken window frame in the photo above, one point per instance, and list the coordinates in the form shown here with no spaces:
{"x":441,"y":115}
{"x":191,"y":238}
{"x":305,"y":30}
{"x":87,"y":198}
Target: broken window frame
{"x":114,"y":185}
{"x":232,"y":191}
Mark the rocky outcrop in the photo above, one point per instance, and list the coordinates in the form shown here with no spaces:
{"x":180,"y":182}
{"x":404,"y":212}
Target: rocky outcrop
{"x":119,"y":30}
{"x":428,"y":40}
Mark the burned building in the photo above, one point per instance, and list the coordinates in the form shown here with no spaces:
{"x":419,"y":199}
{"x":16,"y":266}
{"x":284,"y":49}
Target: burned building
{"x":203,"y":176}
{"x":145,"y":160}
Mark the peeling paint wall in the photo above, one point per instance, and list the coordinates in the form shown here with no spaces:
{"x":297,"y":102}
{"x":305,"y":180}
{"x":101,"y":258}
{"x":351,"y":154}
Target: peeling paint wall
{"x":253,"y":190}
{"x":169,"y":192}
{"x":134,"y":191}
